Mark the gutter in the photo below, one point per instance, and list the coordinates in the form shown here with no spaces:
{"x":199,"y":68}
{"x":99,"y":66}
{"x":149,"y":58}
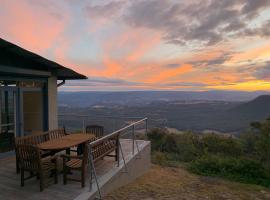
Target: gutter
{"x":61,"y":83}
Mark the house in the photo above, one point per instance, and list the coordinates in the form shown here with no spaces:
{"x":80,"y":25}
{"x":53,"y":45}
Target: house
{"x":28,"y":105}
{"x":28,"y":92}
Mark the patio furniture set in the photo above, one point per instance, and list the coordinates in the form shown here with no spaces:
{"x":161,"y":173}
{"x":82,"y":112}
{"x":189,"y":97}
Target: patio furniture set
{"x":39,"y":154}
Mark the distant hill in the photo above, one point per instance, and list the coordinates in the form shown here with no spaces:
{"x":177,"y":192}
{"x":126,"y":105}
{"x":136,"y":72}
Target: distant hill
{"x":258,"y":109}
{"x":85,"y":99}
{"x":196,"y":111}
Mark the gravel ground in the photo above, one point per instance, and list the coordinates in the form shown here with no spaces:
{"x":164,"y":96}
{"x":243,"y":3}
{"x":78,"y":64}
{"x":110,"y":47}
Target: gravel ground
{"x":178,"y":184}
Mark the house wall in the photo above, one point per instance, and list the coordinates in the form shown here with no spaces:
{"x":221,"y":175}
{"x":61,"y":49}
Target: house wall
{"x":52,"y":103}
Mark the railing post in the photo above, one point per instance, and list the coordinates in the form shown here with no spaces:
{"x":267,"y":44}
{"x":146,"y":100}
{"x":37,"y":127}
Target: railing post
{"x":118,"y":149}
{"x":146,"y":126}
{"x":83,"y":128}
{"x":133,"y":139}
{"x":93,"y":171}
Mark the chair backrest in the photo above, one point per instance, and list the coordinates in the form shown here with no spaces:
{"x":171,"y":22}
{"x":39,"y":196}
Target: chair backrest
{"x":97,"y":130}
{"x":32,"y":139}
{"x":29,"y":156}
{"x":57,"y":133}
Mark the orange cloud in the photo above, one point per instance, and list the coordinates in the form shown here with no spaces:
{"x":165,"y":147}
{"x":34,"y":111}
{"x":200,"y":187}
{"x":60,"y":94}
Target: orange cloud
{"x":32,"y":27}
{"x":167,"y":74}
{"x":262,"y":52}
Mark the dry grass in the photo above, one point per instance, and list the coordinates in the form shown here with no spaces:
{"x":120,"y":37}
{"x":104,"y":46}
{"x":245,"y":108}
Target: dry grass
{"x":178,"y":184}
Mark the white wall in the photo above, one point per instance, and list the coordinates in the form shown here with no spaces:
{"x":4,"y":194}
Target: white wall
{"x":52,"y":101}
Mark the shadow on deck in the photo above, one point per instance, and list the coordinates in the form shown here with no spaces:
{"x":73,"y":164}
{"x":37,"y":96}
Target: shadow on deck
{"x":109,"y":177}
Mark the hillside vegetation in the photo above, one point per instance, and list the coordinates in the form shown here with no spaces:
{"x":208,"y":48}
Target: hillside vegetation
{"x":189,"y":166}
{"x":245,"y":159}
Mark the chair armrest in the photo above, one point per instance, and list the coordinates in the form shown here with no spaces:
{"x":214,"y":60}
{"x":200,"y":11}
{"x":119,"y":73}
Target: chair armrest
{"x":49,"y":159}
{"x":70,"y":156}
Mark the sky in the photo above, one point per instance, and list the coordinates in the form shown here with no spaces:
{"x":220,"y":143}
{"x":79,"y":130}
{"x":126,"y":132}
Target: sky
{"x":190,"y":45}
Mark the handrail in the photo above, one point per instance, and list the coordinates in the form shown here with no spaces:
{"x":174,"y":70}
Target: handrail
{"x":96,"y":116}
{"x":117,"y":132}
{"x":119,"y":147}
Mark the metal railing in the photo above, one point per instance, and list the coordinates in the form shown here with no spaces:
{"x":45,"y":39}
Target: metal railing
{"x":119,"y":133}
{"x":76,"y":122}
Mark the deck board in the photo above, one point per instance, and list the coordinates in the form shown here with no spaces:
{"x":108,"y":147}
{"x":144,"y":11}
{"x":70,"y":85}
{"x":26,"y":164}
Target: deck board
{"x":10,"y":181}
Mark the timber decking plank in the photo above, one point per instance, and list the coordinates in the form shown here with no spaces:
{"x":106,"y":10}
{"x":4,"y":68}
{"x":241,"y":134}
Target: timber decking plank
{"x":10,"y":181}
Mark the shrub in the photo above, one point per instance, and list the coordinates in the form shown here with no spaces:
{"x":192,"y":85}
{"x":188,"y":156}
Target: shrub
{"x":159,"y":158}
{"x":238,"y":169}
{"x":249,"y":140}
{"x":229,"y":146}
{"x":261,"y":130}
{"x":158,"y":139}
{"x":188,"y":147}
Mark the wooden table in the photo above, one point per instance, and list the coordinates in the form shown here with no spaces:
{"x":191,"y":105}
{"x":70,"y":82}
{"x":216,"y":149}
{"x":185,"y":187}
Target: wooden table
{"x":66,"y":142}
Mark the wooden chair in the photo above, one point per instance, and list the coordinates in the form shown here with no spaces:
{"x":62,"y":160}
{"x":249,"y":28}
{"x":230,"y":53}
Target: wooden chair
{"x":31,"y":161}
{"x":57,"y":133}
{"x":78,"y":163}
{"x":97,"y":130}
{"x":31,"y":140}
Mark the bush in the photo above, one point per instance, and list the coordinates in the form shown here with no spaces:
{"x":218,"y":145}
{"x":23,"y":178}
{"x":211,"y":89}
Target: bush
{"x":158,"y":139}
{"x":244,"y":159}
{"x":188,"y":147}
{"x":238,"y":169}
{"x":159,"y":158}
{"x":229,"y":146}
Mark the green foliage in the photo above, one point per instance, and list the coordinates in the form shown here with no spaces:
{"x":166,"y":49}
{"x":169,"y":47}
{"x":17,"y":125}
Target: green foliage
{"x":225,"y":145}
{"x":159,"y":158}
{"x":158,"y":139}
{"x":238,"y":169}
{"x":244,"y":159}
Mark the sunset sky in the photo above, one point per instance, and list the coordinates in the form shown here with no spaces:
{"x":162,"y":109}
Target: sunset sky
{"x":148,"y":44}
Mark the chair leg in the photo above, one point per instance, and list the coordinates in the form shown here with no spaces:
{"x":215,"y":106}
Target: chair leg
{"x":64,"y":172}
{"x":68,"y":151}
{"x":17,"y":166}
{"x":41,"y":184}
{"x":116,"y":155}
{"x":22,"y":177}
{"x":55,"y":173}
{"x":83,"y":177}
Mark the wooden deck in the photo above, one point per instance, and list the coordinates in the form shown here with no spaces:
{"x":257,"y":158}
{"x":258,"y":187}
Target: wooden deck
{"x":10,"y":181}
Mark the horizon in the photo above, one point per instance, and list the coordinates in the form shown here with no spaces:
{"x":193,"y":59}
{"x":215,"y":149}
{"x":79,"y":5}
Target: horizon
{"x":148,"y":45}
{"x":225,"y":91}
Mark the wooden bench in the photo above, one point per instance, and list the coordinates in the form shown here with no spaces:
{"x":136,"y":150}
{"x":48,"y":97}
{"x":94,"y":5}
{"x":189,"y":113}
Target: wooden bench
{"x":99,"y":149}
{"x":105,"y":146}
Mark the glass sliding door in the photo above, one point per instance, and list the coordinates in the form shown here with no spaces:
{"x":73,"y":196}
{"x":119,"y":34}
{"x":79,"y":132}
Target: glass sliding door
{"x":8,"y":102}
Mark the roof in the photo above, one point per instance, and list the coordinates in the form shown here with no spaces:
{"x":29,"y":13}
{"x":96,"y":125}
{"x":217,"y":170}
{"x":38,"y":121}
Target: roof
{"x":12,"y":55}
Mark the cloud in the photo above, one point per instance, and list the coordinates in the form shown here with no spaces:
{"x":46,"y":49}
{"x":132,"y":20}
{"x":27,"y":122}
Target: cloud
{"x":101,"y":81}
{"x":214,"y":64}
{"x":252,"y":8}
{"x":173,"y":65}
{"x":263,"y":72}
{"x":107,"y":10}
{"x":33,"y":27}
{"x":205,"y":21}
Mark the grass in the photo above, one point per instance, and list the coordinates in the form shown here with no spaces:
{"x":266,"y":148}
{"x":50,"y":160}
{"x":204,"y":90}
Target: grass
{"x":176,"y":183}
